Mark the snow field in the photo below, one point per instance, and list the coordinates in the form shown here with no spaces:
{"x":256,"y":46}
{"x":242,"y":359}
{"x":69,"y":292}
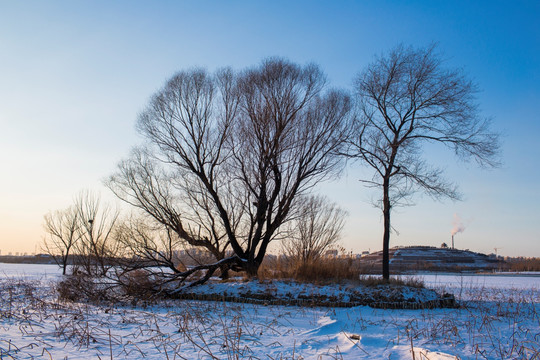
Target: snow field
{"x":504,"y":324}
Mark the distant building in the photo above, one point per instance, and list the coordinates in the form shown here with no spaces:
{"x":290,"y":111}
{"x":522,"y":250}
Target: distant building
{"x":331,"y":253}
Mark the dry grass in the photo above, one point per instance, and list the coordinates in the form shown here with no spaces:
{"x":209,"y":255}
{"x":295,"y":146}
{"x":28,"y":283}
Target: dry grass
{"x":326,"y":271}
{"x":322,"y":270}
{"x":370,"y":280}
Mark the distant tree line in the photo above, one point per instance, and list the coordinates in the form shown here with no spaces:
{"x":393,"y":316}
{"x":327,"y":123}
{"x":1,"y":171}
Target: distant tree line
{"x":231,"y":159}
{"x":522,"y":264}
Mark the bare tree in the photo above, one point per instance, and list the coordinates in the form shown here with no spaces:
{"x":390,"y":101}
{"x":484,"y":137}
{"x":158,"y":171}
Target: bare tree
{"x":62,"y":229}
{"x":96,"y":247}
{"x":237,"y":150}
{"x":316,"y":229}
{"x":406,"y":99}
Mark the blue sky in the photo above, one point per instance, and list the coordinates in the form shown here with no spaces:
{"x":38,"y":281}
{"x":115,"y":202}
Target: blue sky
{"x":75,"y":74}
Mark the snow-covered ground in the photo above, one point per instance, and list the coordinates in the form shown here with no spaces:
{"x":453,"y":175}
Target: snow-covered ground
{"x":500,"y":320}
{"x":501,"y":286}
{"x":505,"y":281}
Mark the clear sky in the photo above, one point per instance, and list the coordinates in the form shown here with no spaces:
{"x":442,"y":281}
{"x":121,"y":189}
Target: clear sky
{"x":75,"y":74}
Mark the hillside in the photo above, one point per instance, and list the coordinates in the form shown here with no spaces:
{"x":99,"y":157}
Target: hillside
{"x":412,"y":258}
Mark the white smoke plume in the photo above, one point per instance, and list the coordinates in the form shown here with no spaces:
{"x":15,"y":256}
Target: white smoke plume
{"x":459,"y":226}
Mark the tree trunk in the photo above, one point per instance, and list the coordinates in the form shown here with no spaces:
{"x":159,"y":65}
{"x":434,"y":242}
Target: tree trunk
{"x":224,"y":272}
{"x":64,"y":264}
{"x":386,"y":246}
{"x":252,"y":268}
{"x":386,"y":233}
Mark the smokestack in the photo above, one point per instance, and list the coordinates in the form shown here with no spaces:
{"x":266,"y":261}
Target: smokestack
{"x":458,"y":227}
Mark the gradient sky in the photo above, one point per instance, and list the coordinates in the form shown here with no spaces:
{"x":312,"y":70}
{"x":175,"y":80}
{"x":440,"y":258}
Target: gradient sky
{"x":75,"y":74}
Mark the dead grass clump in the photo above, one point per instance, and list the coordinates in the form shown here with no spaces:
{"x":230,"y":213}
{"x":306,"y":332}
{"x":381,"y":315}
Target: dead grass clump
{"x":137,"y":284}
{"x":327,"y":270}
{"x":276,"y":268}
{"x":322,"y":270}
{"x":372,"y":281}
{"x":80,"y":288}
{"x":69,"y":289}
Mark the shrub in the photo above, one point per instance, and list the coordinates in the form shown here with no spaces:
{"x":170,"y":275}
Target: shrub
{"x":83,"y":288}
{"x":137,"y":284}
{"x":76,"y":288}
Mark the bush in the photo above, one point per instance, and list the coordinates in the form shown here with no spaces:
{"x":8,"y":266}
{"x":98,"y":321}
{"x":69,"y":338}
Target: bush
{"x":137,"y":284}
{"x":77,"y":288}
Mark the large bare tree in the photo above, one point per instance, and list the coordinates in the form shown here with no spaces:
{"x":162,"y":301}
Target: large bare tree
{"x":407,"y":98}
{"x":235,"y":151}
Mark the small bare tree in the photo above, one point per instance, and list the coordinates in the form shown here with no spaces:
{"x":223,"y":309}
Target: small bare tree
{"x":62,"y":228}
{"x":96,"y":247}
{"x":316,"y":229}
{"x":406,"y":99}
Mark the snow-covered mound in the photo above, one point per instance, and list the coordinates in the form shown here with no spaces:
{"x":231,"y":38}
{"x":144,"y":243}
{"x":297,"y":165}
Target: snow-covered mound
{"x":305,"y":294}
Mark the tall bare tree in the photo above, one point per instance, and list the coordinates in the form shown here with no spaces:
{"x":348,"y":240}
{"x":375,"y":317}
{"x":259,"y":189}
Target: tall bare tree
{"x":407,"y":98}
{"x":237,"y":150}
{"x":316,"y":228}
{"x":62,"y":229}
